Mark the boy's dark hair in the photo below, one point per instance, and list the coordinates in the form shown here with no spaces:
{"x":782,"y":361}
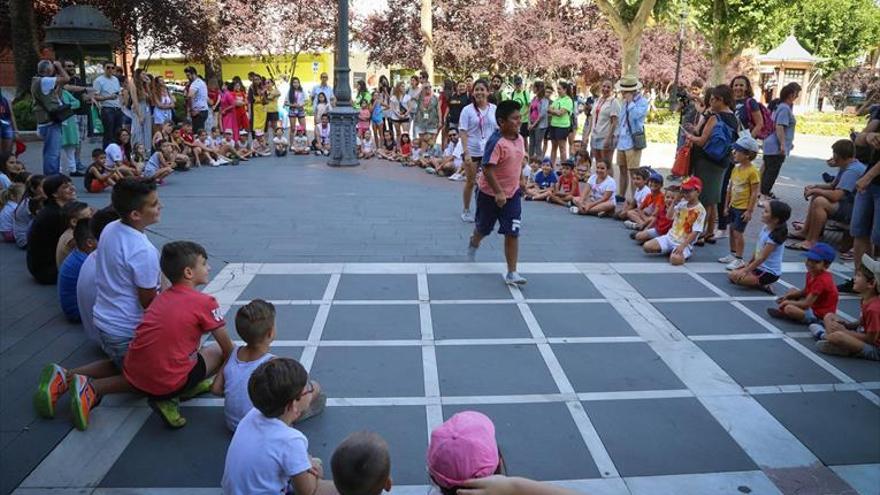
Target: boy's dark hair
{"x":100,"y":220}
{"x":361,"y":464}
{"x":53,"y":183}
{"x":643,"y":172}
{"x":505,"y":109}
{"x":72,"y":209}
{"x":843,"y":149}
{"x":82,"y":234}
{"x":177,"y":256}
{"x":254,"y":320}
{"x":782,"y":212}
{"x":568,"y":164}
{"x":868,"y":274}
{"x":275,"y":383}
{"x":97,"y":152}
{"x":130,"y":195}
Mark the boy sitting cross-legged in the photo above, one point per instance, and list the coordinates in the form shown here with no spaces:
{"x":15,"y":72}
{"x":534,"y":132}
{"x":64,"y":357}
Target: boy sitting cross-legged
{"x":638,"y":178}
{"x":255,"y":324}
{"x":690,"y":217}
{"x":266,"y":454}
{"x":164,"y":360}
{"x":818,"y":297}
{"x":651,"y":203}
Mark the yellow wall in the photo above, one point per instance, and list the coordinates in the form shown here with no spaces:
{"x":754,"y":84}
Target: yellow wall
{"x":308,"y":67}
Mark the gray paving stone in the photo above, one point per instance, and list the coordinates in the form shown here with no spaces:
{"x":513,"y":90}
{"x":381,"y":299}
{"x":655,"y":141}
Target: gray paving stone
{"x":839,"y":427}
{"x":860,"y":370}
{"x":760,"y":309}
{"x":721,"y":281}
{"x":765,"y":362}
{"x":665,"y":285}
{"x":358,"y":286}
{"x":291,"y":352}
{"x":635,"y":367}
{"x":380,"y":322}
{"x":493,"y":370}
{"x":478,"y":321}
{"x":286,"y":287}
{"x":534,"y":439}
{"x":370,"y":371}
{"x":678,"y":436}
{"x":292,"y":322}
{"x":559,"y":286}
{"x":469,"y":286}
{"x":709,"y":318}
{"x":580,"y":320}
{"x":851,"y":307}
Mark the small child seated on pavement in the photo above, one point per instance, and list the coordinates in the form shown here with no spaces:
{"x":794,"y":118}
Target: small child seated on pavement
{"x":300,"y":142}
{"x":765,"y":267}
{"x":583,"y":165}
{"x":230,"y":148}
{"x":638,"y":179}
{"x":366,"y":149}
{"x":321,"y":143}
{"x":280,"y":142}
{"x":462,"y":448}
{"x":404,"y":154}
{"x":567,"y":188}
{"x":818,"y":297}
{"x":72,"y":212}
{"x":268,"y":455}
{"x":97,"y":176}
{"x":637,"y":218}
{"x":260,"y":146}
{"x":68,"y":271}
{"x":742,"y":196}
{"x":661,"y":221}
{"x":689,"y":220}
{"x":161,"y":163}
{"x":255,"y":324}
{"x":388,"y":149}
{"x":543,"y":183}
{"x":164,"y":360}
{"x":860,"y":338}
{"x":209,"y":144}
{"x":361,"y":465}
{"x":598,"y":196}
{"x":9,"y":199}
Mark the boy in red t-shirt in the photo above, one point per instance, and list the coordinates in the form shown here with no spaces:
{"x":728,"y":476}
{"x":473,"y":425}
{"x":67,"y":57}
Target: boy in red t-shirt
{"x":567,"y":187}
{"x":661,"y":221}
{"x":638,"y":218}
{"x":164,"y":360}
{"x":818,"y":298}
{"x":858,"y":338}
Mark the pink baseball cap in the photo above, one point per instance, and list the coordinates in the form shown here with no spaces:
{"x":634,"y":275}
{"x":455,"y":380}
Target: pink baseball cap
{"x":463,"y":448}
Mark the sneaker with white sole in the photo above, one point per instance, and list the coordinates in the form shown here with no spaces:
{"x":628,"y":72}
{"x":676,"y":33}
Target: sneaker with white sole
{"x":514,"y":278}
{"x":467,"y":217}
{"x":721,"y":234}
{"x":631,"y":225}
{"x":817,"y":331}
{"x":736,"y":264}
{"x":53,"y":384}
{"x":727,"y":259}
{"x":574,"y":210}
{"x":431,"y":170}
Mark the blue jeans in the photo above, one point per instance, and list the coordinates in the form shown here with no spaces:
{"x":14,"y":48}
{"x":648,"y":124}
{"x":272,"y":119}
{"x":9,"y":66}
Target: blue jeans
{"x":111,"y":120}
{"x":51,"y":134}
{"x":865,"y":220}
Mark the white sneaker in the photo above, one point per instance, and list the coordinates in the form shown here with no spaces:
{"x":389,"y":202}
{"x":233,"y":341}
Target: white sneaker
{"x":431,"y":171}
{"x":514,"y":278}
{"x":726,"y":259}
{"x":457,"y":177}
{"x":467,"y":217}
{"x":631,"y":225}
{"x":214,"y":163}
{"x":721,"y":234}
{"x":735,"y":264}
{"x":574,"y":210}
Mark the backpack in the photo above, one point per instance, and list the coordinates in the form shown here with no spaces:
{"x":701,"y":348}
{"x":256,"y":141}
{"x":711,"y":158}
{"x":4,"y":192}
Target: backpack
{"x":720,"y":141}
{"x":768,"y":126}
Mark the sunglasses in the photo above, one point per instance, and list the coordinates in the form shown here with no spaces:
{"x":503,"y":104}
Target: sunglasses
{"x":109,"y":67}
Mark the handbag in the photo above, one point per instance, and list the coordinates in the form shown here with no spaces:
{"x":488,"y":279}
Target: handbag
{"x":59,"y":114}
{"x":638,"y":138}
{"x":682,"y":165}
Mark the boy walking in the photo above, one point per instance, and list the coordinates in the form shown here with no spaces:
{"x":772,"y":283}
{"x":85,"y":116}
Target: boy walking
{"x":818,"y":297}
{"x":742,"y":196}
{"x":859,"y":338}
{"x":499,"y":198}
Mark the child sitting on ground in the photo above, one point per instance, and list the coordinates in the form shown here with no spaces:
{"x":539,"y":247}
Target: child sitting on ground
{"x":183,"y":156}
{"x":598,"y":197}
{"x":689,"y":221}
{"x":300,"y":142}
{"x":450,"y":163}
{"x":388,"y":149}
{"x":765,"y":267}
{"x":268,"y":455}
{"x":638,"y":179}
{"x":859,"y":338}
{"x":404,"y":155}
{"x":138,"y":157}
{"x":72,"y":212}
{"x":367,"y":150}
{"x":321,"y":144}
{"x":567,"y":187}
{"x":638,"y":218}
{"x":463,"y":448}
{"x":544,"y":181}
{"x":583,"y":165}
{"x":161,"y":163}
{"x":742,"y":196}
{"x":361,"y":465}
{"x":68,"y":272}
{"x":260,"y":146}
{"x":818,"y":297}
{"x":661,"y":221}
{"x":98,"y":177}
{"x":164,"y":360}
{"x":280,"y":142}
{"x":209,"y":145}
{"x":230,"y":148}
{"x":9,"y":198}
{"x":255,"y":324}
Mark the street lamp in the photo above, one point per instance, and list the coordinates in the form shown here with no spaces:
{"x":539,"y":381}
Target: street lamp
{"x":342,"y":117}
{"x":681,"y":25}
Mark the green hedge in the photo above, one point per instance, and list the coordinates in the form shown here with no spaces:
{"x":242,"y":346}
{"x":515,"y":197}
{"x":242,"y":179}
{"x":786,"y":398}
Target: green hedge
{"x":24,"y":114}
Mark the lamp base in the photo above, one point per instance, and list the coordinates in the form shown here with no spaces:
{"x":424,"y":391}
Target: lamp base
{"x":343,"y":120}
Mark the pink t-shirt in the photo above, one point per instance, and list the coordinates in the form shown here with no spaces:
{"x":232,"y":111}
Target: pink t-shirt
{"x":506,"y":160}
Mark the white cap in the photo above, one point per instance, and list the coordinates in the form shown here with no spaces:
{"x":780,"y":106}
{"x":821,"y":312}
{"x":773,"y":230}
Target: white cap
{"x":746,"y":143}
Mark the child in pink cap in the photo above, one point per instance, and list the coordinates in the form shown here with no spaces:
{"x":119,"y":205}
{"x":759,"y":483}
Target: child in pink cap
{"x":463,"y":448}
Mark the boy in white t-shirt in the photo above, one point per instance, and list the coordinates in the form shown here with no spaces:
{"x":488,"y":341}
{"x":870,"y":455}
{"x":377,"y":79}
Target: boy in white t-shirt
{"x":322,"y":136}
{"x":450,"y":163}
{"x":639,"y":181}
{"x":300,"y":142}
{"x":689,"y":219}
{"x":365,"y":146}
{"x":255,"y":324}
{"x":268,"y":455}
{"x":280,"y":142}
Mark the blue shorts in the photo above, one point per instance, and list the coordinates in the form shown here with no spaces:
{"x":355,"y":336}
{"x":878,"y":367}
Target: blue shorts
{"x":810,"y":317}
{"x":508,"y":217}
{"x":866,"y":214}
{"x":115,"y":347}
{"x":735,"y":220}
{"x":299,"y":112}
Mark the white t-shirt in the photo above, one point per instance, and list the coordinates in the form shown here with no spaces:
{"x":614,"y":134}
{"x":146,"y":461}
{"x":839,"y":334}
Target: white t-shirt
{"x":6,"y":216}
{"x":126,"y":260}
{"x":263,"y":455}
{"x":599,"y":190}
{"x":300,"y":142}
{"x":114,"y":156}
{"x":107,"y":86}
{"x":367,"y":146}
{"x":641,"y":194}
{"x":86,"y":293}
{"x":199,"y":91}
{"x":479,"y":125}
{"x":236,"y":374}
{"x":279,"y":141}
{"x":455,"y":151}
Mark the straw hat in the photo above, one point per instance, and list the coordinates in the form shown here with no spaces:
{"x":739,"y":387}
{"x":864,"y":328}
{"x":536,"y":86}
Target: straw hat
{"x":628,"y":83}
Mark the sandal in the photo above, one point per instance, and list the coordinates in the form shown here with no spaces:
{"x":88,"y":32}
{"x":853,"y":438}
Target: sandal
{"x":799,"y":246}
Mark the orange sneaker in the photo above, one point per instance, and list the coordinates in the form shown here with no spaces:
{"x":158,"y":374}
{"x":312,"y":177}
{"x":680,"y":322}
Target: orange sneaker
{"x":83,"y":398}
{"x":53,"y":384}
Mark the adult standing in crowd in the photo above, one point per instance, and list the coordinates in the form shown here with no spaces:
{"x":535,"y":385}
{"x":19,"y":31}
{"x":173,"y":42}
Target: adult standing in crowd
{"x":560,"y":124}
{"x":412,"y":94}
{"x":602,"y":131}
{"x":476,"y":125}
{"x":198,"y":99}
{"x":399,"y":110}
{"x":576,"y":108}
{"x":259,"y":102}
{"x":384,"y":95}
{"x":521,"y":96}
{"x":77,"y":86}
{"x":296,"y":104}
{"x":362,"y":94}
{"x":272,"y":95}
{"x":46,"y":91}
{"x":426,"y":120}
{"x":630,"y":130}
{"x":8,"y":128}
{"x":496,"y":95}
{"x":779,"y":143}
{"x":445,"y":93}
{"x":140,"y":102}
{"x":107,"y":89}
{"x":163,"y":109}
{"x":457,"y":101}
{"x":324,"y":88}
{"x":538,"y":120}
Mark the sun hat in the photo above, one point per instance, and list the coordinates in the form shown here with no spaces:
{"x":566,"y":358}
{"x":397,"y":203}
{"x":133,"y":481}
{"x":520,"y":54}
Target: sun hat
{"x":628,"y":83}
{"x":872,"y":265}
{"x":821,"y":252}
{"x":746,"y":144}
{"x":463,"y":448}
{"x":692,"y":182}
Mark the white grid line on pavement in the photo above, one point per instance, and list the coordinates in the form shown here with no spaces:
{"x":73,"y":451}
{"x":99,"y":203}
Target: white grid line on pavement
{"x":426,"y":340}
{"x":433,"y":412}
{"x":307,"y":359}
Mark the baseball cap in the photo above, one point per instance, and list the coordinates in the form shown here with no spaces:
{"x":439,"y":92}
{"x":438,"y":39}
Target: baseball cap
{"x":517,"y":80}
{"x":821,"y":252}
{"x":463,"y":448}
{"x":872,"y":265}
{"x":227,"y":131}
{"x":746,"y":144}
{"x":655,"y":177}
{"x":545,"y":160}
{"x":692,"y":182}
{"x":568,"y":163}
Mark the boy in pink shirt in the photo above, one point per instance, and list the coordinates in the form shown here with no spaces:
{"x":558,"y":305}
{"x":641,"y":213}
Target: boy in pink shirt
{"x":499,"y":198}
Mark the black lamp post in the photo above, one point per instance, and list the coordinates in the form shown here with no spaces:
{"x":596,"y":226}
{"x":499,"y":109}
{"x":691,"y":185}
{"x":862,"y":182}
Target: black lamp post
{"x":342,"y":117}
{"x":682,"y":17}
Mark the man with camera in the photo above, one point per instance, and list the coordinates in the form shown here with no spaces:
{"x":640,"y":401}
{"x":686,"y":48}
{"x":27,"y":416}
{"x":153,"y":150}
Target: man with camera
{"x":49,"y":111}
{"x":689,"y":114}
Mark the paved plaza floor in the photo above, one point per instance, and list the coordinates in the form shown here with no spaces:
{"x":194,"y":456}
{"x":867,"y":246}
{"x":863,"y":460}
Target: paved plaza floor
{"x":610,"y":371}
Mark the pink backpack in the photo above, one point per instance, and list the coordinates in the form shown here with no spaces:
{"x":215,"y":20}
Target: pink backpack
{"x":768,"y":126}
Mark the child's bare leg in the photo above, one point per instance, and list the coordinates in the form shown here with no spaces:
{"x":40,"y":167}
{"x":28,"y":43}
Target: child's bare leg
{"x":603,"y":207}
{"x":642,"y":236}
{"x":833,"y":323}
{"x":511,"y":251}
{"x":743,"y":278}
{"x":793,"y":312}
{"x":845,"y":340}
{"x":737,"y":244}
{"x":213,"y":356}
{"x":652,"y":246}
{"x":116,"y":384}
{"x":96,"y":369}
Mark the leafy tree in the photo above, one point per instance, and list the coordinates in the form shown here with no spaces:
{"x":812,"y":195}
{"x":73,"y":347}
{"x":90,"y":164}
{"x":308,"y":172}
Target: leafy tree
{"x":21,"y":25}
{"x":628,"y":19}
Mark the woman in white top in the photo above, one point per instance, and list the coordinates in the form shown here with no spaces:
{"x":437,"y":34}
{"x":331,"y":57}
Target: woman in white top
{"x":604,"y":124}
{"x":164,"y":104}
{"x":399,"y":110}
{"x":598,"y":196}
{"x":476,"y":125}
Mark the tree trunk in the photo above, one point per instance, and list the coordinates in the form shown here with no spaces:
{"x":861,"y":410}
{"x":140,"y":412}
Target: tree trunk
{"x":21,"y":15}
{"x":721,"y":57}
{"x":213,"y":69}
{"x":632,"y":49}
{"x":427,"y":33}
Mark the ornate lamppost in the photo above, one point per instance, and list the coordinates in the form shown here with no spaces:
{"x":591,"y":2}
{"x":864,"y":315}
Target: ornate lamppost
{"x":342,"y":117}
{"x":681,"y":26}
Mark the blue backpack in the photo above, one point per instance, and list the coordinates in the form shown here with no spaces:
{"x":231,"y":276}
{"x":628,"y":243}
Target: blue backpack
{"x":720,"y":141}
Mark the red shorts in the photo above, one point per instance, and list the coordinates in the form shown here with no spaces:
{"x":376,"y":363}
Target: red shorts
{"x":97,"y":186}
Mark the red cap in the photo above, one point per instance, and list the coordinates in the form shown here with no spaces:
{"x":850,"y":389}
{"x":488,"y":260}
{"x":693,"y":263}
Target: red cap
{"x":692,"y":182}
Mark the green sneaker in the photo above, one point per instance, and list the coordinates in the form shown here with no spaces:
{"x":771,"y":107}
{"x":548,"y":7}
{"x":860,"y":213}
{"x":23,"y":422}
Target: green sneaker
{"x":83,"y":398}
{"x":203,"y":387}
{"x":53,"y":384}
{"x":169,"y":411}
